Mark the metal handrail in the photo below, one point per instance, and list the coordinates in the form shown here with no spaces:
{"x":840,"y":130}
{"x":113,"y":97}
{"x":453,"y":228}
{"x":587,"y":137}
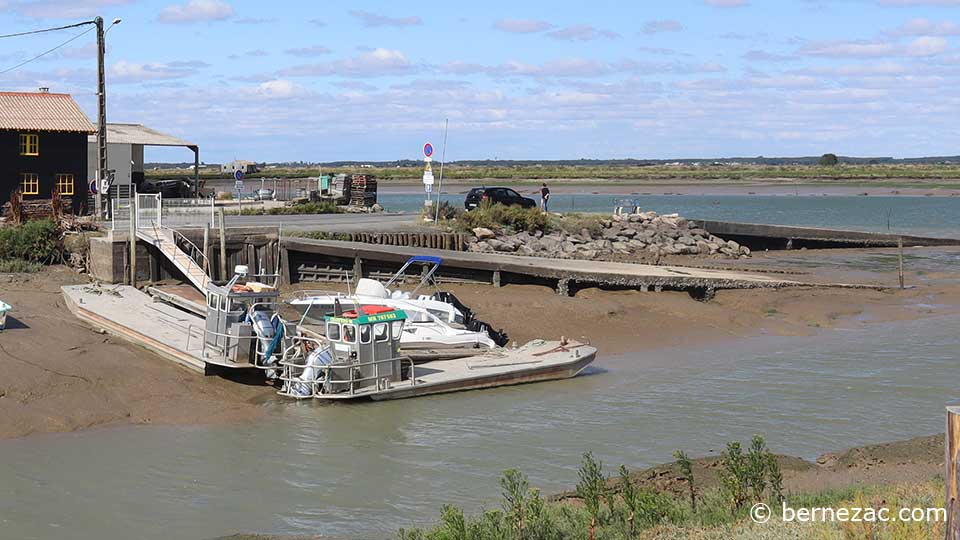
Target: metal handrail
{"x":352,"y":380}
{"x":194,"y":250}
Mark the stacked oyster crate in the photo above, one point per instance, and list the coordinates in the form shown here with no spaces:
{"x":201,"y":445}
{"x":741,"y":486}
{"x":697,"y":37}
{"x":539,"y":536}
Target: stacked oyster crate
{"x":363,"y":190}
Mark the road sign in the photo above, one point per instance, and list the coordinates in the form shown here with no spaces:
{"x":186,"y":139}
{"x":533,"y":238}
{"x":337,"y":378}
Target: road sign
{"x":428,"y":174}
{"x":427,"y":150}
{"x":428,"y":188}
{"x":238,"y":176}
{"x":93,"y":187}
{"x":238,"y":185}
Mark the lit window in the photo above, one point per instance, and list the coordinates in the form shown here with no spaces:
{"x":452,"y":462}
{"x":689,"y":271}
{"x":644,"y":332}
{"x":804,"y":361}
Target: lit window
{"x":30,"y":183}
{"x":65,"y":184}
{"x":29,"y":144}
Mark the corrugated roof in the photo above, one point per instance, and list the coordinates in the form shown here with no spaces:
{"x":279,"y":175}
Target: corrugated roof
{"x":140,"y":134}
{"x":42,"y":111}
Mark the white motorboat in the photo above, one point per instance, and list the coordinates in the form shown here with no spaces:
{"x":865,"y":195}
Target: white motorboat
{"x":436,"y":321}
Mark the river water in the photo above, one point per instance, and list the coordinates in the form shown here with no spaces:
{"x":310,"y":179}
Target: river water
{"x":934,"y":216}
{"x":364,"y":470}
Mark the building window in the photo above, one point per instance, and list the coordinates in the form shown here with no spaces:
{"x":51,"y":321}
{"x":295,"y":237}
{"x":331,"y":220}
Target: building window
{"x":30,"y":183}
{"x":29,"y":144}
{"x":65,"y":184}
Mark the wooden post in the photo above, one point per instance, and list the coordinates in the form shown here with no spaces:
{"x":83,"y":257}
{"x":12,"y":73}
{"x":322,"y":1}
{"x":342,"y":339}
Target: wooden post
{"x":206,"y":248}
{"x":900,"y":247}
{"x":133,"y":248}
{"x":223,"y":246}
{"x":952,"y":478}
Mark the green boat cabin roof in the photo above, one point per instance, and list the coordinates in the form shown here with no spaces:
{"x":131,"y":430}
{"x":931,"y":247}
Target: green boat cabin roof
{"x":368,"y":315}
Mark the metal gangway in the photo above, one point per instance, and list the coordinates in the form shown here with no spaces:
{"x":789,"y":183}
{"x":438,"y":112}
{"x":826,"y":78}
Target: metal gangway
{"x":177,"y":248}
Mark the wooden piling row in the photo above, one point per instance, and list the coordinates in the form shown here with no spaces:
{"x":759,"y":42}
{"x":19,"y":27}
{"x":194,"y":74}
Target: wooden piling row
{"x":448,"y":241}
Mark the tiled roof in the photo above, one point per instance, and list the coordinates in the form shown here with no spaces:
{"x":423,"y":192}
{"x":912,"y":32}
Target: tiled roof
{"x":42,"y":111}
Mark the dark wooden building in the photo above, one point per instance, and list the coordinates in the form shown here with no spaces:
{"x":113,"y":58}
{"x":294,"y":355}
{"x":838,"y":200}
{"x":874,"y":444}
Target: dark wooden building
{"x":43,"y":145}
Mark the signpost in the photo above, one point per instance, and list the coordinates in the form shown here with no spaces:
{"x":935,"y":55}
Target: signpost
{"x":427,"y":174}
{"x":238,"y":184}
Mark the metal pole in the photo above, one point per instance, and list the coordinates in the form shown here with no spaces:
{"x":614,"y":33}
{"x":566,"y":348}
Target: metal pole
{"x":443,"y":158}
{"x":133,"y":250}
{"x":101,"y":118}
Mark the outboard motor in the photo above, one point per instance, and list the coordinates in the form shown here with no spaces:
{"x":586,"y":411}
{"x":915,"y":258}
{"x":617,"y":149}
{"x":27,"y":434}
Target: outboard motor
{"x":312,"y":372}
{"x":470,"y":322}
{"x":263,"y":328}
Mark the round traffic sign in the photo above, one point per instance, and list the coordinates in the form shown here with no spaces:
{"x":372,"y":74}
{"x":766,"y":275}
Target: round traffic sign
{"x":427,"y":150}
{"x":238,"y":175}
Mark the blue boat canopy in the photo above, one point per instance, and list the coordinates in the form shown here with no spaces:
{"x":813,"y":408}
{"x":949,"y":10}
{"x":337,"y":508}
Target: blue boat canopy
{"x":424,"y":259}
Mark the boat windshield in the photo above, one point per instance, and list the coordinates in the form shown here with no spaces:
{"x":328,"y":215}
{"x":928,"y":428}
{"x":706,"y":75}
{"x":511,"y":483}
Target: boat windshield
{"x":349,"y":333}
{"x":333,"y":332}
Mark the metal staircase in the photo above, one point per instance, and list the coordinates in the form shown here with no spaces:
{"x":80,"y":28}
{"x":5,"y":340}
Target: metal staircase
{"x":177,"y":248}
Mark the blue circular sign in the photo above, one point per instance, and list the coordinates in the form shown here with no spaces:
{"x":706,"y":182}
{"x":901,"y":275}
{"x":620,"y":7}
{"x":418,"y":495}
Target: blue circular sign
{"x":238,"y":175}
{"x":427,"y":150}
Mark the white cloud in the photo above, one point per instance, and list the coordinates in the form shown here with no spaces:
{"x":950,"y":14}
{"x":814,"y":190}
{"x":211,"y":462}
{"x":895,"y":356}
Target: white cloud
{"x":377,"y":62}
{"x":280,"y":89}
{"x":132,"y":72}
{"x":582,"y":32}
{"x":726,"y":3}
{"x":925,"y":27}
{"x":926,"y":46}
{"x":655,"y":27}
{"x":919,"y":2}
{"x":757,"y":55}
{"x":522,"y":26}
{"x":196,"y":11}
{"x":921,"y":46}
{"x":374,"y":19}
{"x":314,"y":50}
{"x":61,"y":9}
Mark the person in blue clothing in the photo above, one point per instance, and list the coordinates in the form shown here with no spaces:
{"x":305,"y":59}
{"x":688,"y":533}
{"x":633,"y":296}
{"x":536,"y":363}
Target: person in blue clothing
{"x":544,"y":197}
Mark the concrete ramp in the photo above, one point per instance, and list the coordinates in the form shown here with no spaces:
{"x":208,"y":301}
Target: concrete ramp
{"x":133,"y":316}
{"x":168,"y":242}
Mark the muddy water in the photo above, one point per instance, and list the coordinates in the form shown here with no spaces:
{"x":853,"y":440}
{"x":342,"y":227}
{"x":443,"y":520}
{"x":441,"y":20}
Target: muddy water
{"x":363,"y":471}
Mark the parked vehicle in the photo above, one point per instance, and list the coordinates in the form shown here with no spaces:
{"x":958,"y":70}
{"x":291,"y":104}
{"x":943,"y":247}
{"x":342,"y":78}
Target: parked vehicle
{"x":499,"y":195}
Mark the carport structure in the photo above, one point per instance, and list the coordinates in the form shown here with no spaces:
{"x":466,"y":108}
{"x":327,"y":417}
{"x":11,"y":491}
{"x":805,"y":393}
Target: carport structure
{"x":125,"y":143}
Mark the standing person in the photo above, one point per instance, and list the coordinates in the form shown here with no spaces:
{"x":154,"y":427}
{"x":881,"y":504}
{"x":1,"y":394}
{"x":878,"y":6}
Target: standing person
{"x":544,"y":197}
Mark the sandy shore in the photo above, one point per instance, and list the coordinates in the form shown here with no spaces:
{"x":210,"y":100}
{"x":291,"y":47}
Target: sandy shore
{"x":61,"y":375}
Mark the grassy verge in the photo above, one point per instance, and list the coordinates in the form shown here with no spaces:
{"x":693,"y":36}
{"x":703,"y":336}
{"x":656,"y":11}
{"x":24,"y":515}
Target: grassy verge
{"x":297,"y":209}
{"x":622,"y":508}
{"x":546,"y":171}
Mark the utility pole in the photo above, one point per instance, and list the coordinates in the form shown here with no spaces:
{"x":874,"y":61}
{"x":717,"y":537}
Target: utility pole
{"x":101,"y":118}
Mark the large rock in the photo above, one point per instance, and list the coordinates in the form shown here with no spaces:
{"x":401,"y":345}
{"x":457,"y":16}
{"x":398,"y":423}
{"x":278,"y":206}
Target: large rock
{"x":483,"y":233}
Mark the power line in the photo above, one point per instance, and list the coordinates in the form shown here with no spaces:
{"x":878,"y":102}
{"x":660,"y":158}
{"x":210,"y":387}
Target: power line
{"x":18,"y":34}
{"x":25,"y":62}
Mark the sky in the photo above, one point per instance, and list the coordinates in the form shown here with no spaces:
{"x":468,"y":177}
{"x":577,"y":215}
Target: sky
{"x":373,"y":80}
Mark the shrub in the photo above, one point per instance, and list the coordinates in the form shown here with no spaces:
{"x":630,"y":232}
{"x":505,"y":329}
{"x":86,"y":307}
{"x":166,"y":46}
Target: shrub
{"x":35,"y":241}
{"x":500,"y":217}
{"x":19,"y":266}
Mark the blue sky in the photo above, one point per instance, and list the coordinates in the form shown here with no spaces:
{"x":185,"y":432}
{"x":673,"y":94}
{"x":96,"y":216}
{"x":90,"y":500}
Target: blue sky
{"x":322,"y":81}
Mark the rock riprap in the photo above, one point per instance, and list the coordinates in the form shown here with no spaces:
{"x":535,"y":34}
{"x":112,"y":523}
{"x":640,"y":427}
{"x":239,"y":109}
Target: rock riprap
{"x":644,"y":235}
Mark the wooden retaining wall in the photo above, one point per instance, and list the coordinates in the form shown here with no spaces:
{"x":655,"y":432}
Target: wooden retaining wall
{"x":431,"y":240}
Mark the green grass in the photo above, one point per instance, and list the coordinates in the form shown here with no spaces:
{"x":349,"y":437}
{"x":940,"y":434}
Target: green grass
{"x":19,"y":266}
{"x":37,"y":241}
{"x":297,"y":209}
{"x":882,"y":173}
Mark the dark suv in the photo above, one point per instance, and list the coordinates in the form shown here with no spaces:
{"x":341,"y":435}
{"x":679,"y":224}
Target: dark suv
{"x":500,"y":195}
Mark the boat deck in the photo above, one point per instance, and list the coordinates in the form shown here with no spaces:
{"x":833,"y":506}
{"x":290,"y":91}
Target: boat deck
{"x":133,"y":315}
{"x":538,"y":360}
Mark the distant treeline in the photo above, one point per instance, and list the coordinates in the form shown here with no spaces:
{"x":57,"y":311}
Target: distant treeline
{"x":760,"y":160}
